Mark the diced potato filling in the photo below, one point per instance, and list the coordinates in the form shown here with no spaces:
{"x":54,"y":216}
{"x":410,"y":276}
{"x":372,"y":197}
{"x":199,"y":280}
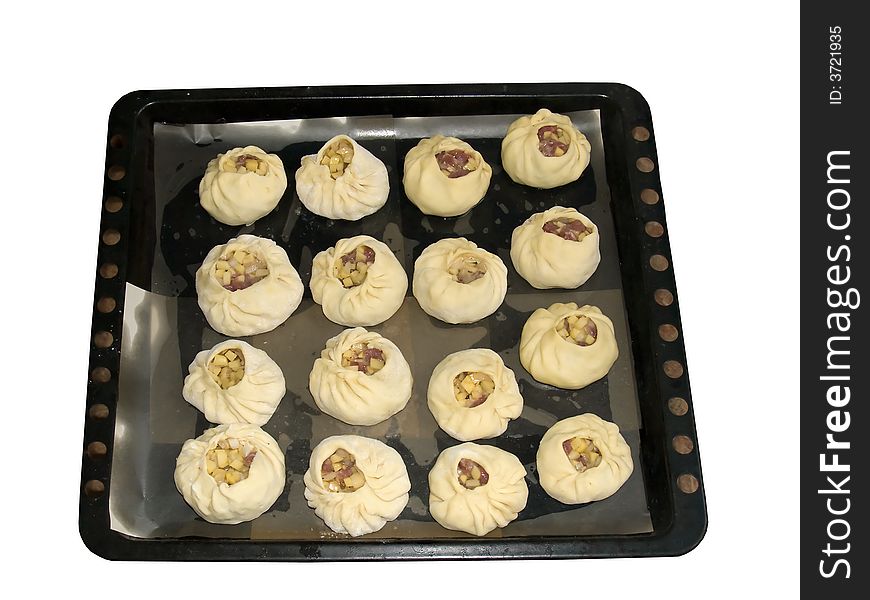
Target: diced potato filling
{"x":246,"y":163}
{"x":467,"y":268}
{"x":337,"y":157}
{"x":362,"y":357}
{"x":353,"y":267}
{"x":456,"y":163}
{"x":553,"y":140}
{"x":578,"y":329}
{"x":230,"y":462}
{"x":340,"y":473}
{"x":573,"y":230}
{"x":471,"y":474}
{"x":582,"y":452}
{"x":472,"y":388}
{"x":227,"y":367}
{"x":240,"y":269}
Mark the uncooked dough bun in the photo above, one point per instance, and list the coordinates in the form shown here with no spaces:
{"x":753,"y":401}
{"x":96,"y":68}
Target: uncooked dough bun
{"x":234,"y":382}
{"x":223,"y":502}
{"x":457,"y":282}
{"x":338,"y":183}
{"x":573,"y":482}
{"x":568,"y":346}
{"x":359,"y":281}
{"x":242,"y":185}
{"x":247,"y":286}
{"x":445,"y":176}
{"x":368,"y":489}
{"x":361,"y":378}
{"x":544,"y":150}
{"x":473,"y":395}
{"x":459,"y":501}
{"x":557,"y":248}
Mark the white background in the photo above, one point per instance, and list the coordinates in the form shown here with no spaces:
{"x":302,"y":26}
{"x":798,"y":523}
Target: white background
{"x":722,"y":81}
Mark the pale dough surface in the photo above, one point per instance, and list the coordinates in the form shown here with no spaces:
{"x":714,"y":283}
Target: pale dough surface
{"x":547,"y":260}
{"x":441,"y":296}
{"x":486,"y":420}
{"x":562,"y":481}
{"x":352,"y":396}
{"x":241,"y":198}
{"x":555,"y":361}
{"x":252,"y":400}
{"x":375,"y":300}
{"x":223,"y":503}
{"x":432,"y":191}
{"x":361,"y":190}
{"x":525,"y":164}
{"x":366,"y":510}
{"x":259,"y":308}
{"x":482,"y":509}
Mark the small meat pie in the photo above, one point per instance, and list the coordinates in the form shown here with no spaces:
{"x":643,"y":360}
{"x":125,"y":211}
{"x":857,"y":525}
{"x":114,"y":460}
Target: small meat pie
{"x":568,"y":346}
{"x":473,"y":395}
{"x":544,"y":150}
{"x":247,"y":286}
{"x":557,"y":248}
{"x":476,"y":488}
{"x":361,"y":378}
{"x":342,"y":181}
{"x":583,"y":458}
{"x":457,"y":282}
{"x":242,"y":185}
{"x":234,"y":382}
{"x":358,"y":281}
{"x":231,"y":473}
{"x":445,"y":176}
{"x":356,"y":484}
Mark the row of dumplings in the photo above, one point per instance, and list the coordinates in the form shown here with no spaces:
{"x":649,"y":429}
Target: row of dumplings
{"x":443,"y":176}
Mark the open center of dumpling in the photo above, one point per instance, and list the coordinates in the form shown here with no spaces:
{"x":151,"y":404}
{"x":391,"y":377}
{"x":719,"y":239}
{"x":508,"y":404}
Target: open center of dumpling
{"x":582,"y":452}
{"x":337,"y":157}
{"x":467,"y":268}
{"x":340,"y":473}
{"x":471,"y":474}
{"x":573,"y":230}
{"x":230,"y":461}
{"x":227,"y":367}
{"x":553,"y":140}
{"x":246,"y":163}
{"x":456,"y":163}
{"x":353,"y":267}
{"x":364,"y":358}
{"x":578,"y":329}
{"x":240,"y":269}
{"x":472,"y":388}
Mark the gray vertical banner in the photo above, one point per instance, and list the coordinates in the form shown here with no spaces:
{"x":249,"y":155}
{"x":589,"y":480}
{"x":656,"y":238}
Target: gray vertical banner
{"x":834,"y":370}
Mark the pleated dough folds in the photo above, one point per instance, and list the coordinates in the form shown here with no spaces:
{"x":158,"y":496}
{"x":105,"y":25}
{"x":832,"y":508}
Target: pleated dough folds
{"x":477,"y":511}
{"x":366,"y":510}
{"x":241,"y":198}
{"x":433,"y":192}
{"x":374,"y":301}
{"x":443,"y":297}
{"x":552,"y":360}
{"x":221,"y":502}
{"x":524,"y":162}
{"x":359,"y":191}
{"x":258,"y":308}
{"x":254,"y":399}
{"x":486,"y":420}
{"x":352,"y":396}
{"x":562,"y":481}
{"x":547,"y":260}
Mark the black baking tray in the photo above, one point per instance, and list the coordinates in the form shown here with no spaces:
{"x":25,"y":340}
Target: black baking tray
{"x":669,"y":456}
